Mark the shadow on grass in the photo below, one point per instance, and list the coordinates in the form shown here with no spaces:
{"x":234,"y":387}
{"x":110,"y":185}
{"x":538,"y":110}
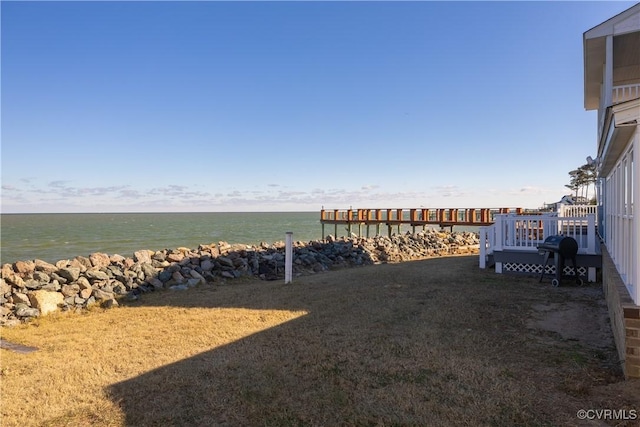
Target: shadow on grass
{"x":418,"y":343}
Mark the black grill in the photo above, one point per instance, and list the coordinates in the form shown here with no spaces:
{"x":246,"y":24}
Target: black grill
{"x":560,"y":248}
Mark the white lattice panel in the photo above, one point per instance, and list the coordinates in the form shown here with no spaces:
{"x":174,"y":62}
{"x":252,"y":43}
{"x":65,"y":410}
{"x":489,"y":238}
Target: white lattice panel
{"x":517,"y":267}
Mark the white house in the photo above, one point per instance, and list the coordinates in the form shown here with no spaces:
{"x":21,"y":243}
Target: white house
{"x":612,"y":87}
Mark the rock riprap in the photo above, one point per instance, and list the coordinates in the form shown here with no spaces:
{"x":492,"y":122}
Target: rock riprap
{"x":32,"y":288}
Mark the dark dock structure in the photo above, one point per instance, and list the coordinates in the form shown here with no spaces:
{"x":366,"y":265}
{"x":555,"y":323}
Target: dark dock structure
{"x":414,"y":217}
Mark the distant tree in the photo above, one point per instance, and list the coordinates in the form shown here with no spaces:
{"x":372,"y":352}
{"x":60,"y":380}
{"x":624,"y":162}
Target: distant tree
{"x":574,"y":185}
{"x":588,"y":176}
{"x":581,"y":179}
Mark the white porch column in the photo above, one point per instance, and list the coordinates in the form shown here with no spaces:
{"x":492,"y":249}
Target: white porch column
{"x":498,"y":223}
{"x":608,"y":73}
{"x":591,"y":233}
{"x":635,"y":222}
{"x":483,"y":247}
{"x":288,"y":257}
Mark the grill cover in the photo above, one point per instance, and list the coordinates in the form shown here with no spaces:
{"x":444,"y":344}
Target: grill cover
{"x":565,"y":246}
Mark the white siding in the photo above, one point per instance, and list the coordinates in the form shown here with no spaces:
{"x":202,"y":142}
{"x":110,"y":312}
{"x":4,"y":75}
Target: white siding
{"x":621,"y":222}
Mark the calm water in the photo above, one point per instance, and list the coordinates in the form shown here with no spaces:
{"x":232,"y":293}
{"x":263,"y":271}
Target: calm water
{"x":52,"y":237}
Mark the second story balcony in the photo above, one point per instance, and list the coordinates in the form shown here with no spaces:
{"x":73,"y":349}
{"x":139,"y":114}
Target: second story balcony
{"x":612,"y":63}
{"x":625,"y":93}
{"x":618,"y":95}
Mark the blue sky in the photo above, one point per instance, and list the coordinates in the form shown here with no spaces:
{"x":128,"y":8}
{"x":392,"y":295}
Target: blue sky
{"x":280,"y":106}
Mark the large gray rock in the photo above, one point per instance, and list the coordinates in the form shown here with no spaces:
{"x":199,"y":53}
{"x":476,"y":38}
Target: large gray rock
{"x":45,"y":267}
{"x":62,"y":263}
{"x":20,"y":298}
{"x":71,"y":274}
{"x":119,"y":288}
{"x":228,"y":274}
{"x":6,"y":270}
{"x":41,"y":277}
{"x":194,"y":282}
{"x":32,"y":284}
{"x":165,"y":275}
{"x":99,"y":260}
{"x":70,"y":290}
{"x":81,"y":262}
{"x":225,"y":261}
{"x":156,"y":283}
{"x":99,"y":294}
{"x":52,"y":286}
{"x":117,"y":259}
{"x":96,"y":275}
{"x":5,"y":288}
{"x":148,"y":270}
{"x":15,"y":280}
{"x":195,"y":275}
{"x":46,"y":301}
{"x":25,"y":311}
{"x":85,"y":292}
{"x":24,"y":267}
{"x":58,"y":278}
{"x":178,"y":277}
{"x":83,"y":283}
{"x":175,"y":257}
{"x":142,"y":256}
{"x":207,"y":265}
{"x":159,"y":256}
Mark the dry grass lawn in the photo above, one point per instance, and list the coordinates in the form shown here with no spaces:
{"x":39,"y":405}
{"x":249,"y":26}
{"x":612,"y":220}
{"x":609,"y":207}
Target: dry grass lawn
{"x":436,"y":342}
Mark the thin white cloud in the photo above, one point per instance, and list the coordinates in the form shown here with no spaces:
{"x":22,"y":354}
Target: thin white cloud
{"x":291,"y":194}
{"x":177,"y":197}
{"x":58,"y":184}
{"x":450,"y":191}
{"x":129,"y":194}
{"x":532,"y":190}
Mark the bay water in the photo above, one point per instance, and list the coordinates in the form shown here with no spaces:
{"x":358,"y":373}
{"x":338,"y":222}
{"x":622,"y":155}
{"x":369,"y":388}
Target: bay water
{"x":52,"y":237}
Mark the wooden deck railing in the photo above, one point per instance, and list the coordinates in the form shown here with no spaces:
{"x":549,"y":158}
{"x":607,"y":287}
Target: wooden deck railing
{"x":417,"y":216}
{"x":414,"y":217}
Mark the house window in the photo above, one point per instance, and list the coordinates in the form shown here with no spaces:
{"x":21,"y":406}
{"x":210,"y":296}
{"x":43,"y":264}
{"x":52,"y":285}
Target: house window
{"x":619,"y":201}
{"x":631,"y":183}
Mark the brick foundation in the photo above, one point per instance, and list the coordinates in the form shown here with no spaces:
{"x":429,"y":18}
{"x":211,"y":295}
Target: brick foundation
{"x":624,"y":315}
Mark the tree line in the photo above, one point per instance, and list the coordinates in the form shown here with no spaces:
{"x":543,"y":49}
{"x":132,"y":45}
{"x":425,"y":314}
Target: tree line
{"x":581,"y":179}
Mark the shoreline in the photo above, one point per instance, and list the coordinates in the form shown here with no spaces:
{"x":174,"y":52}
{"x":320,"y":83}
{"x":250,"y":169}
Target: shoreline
{"x":29,"y":289}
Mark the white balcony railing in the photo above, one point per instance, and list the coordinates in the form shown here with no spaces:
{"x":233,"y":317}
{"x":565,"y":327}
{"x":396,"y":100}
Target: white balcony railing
{"x":625,"y":93}
{"x":578,"y":210}
{"x":618,"y":94}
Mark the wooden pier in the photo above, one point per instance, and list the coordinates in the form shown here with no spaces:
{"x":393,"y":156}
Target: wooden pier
{"x":414,"y":217}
